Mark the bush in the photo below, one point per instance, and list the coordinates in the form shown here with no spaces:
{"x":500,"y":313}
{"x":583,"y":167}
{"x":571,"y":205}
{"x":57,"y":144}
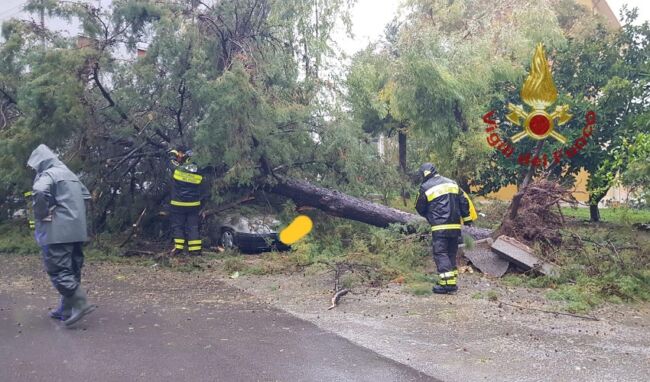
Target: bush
{"x":17,"y":240}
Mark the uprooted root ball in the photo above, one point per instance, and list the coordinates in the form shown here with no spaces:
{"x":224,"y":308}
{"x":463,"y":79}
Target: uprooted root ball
{"x":539,"y":218}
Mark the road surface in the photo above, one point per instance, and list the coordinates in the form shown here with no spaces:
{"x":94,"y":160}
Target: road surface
{"x":149,"y":330}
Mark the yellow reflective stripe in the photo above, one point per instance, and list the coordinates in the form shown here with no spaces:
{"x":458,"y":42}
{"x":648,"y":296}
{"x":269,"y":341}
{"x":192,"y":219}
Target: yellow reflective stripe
{"x":194,"y":242}
{"x":195,"y":248}
{"x":27,"y":193}
{"x":467,"y":219}
{"x":179,"y":241}
{"x":444,"y":282}
{"x":445,"y":226}
{"x":455,"y":272}
{"x":441,"y":189}
{"x":447,"y":275}
{"x":179,"y":246}
{"x":185,"y":204}
{"x":187,"y":177}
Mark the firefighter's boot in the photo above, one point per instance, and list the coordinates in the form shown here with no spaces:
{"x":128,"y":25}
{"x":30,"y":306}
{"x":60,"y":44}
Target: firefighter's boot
{"x":179,"y":246}
{"x":446,"y":283}
{"x":64,"y":311}
{"x":194,"y":247}
{"x":440,"y":289}
{"x":80,"y":307}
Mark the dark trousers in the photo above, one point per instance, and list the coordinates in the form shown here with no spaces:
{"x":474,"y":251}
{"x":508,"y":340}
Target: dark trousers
{"x":185,"y":228}
{"x":63,"y":263}
{"x":444,"y":253}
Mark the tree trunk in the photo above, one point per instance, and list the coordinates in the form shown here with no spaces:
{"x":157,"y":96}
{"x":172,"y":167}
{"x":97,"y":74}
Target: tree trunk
{"x":516,"y":200}
{"x":594,"y":213}
{"x":463,"y":183}
{"x":594,"y":199}
{"x":349,"y":207}
{"x":401,"y":139}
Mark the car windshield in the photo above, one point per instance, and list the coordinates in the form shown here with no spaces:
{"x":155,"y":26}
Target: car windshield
{"x":259,"y":225}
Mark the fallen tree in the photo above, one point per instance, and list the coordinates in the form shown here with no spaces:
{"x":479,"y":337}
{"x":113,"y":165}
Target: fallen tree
{"x":338,"y":204}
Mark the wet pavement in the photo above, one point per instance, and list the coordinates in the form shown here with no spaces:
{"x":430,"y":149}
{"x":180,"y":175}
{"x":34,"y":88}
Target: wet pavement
{"x":144,"y":335}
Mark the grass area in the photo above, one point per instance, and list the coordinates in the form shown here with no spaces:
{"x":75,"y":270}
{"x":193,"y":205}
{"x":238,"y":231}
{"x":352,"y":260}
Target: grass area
{"x":598,"y":262}
{"x":619,"y":215}
{"x":603,"y":262}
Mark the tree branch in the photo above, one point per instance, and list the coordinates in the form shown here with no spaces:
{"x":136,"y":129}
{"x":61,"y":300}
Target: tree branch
{"x":108,"y":97}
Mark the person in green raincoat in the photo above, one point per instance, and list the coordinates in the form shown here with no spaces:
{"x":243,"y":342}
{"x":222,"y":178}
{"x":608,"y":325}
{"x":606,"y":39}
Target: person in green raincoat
{"x":60,"y":215}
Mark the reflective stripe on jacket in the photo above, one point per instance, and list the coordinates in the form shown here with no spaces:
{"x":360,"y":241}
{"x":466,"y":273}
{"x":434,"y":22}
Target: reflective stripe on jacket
{"x":187,"y":190}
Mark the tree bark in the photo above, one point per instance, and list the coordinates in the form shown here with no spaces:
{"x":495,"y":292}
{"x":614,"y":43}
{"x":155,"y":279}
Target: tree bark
{"x":349,"y":207}
{"x":401,"y":139}
{"x":594,"y":212}
{"x":516,"y":200}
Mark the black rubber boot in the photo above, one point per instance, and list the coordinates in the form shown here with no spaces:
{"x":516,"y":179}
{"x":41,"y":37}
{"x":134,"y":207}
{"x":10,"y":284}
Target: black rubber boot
{"x":80,"y":307}
{"x":442,"y":289}
{"x":64,"y":311}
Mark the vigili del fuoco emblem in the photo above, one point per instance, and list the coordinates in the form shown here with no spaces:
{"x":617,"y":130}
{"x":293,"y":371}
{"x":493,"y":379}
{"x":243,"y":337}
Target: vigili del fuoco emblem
{"x":539,"y":93}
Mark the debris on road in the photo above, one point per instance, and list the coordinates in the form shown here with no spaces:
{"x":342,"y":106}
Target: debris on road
{"x":134,"y":252}
{"x":642,"y":226}
{"x":466,"y":269}
{"x":337,"y":297}
{"x":484,"y":259}
{"x":592,"y":318}
{"x":521,"y":255}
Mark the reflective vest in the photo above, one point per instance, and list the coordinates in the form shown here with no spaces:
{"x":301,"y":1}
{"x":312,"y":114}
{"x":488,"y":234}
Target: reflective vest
{"x":444,"y":205}
{"x":186,"y":186}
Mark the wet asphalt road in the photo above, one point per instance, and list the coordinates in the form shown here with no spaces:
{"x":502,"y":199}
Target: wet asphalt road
{"x":234,"y":340}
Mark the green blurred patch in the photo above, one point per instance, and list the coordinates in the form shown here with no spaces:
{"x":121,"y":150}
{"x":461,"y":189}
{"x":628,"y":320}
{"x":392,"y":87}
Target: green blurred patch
{"x":420,"y":289}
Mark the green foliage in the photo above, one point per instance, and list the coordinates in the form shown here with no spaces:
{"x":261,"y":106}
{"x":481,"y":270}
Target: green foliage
{"x":610,"y":266}
{"x":241,"y":81}
{"x":17,"y":240}
{"x":434,"y":73}
{"x":597,"y":69}
{"x":579,"y":299}
{"x":637,"y":173}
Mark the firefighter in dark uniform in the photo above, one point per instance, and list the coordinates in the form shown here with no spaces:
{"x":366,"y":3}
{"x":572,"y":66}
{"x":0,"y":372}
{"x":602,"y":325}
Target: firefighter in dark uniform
{"x":446,"y":207}
{"x":185,"y":204}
